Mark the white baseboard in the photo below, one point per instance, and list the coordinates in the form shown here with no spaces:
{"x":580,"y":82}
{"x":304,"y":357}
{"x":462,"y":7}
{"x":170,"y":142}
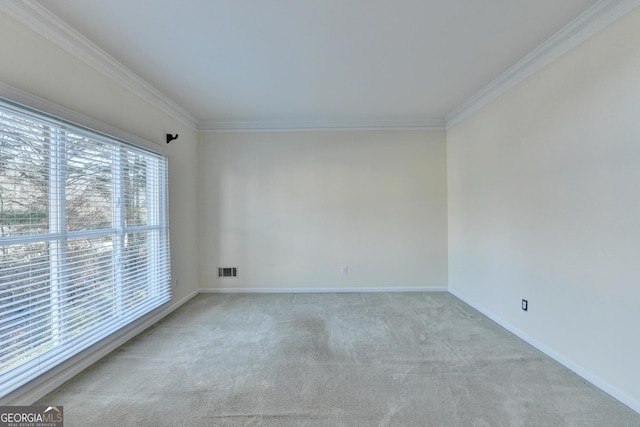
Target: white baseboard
{"x":568,"y":363}
{"x":317,"y":290}
{"x":38,"y":389}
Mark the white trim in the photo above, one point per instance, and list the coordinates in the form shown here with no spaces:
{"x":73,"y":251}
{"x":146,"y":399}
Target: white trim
{"x":319,"y":125}
{"x":568,"y":363}
{"x":40,"y":20}
{"x":40,"y":388}
{"x":48,"y":382}
{"x":317,"y":290}
{"x":580,"y":29}
{"x":25,"y":98}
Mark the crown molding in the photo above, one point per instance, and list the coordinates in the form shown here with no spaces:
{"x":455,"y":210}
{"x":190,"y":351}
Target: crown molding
{"x":577,"y":31}
{"x":319,"y":125}
{"x":40,"y":20}
{"x":37,"y":103}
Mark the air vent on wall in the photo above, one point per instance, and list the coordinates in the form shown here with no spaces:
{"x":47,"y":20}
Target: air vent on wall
{"x":227,"y":271}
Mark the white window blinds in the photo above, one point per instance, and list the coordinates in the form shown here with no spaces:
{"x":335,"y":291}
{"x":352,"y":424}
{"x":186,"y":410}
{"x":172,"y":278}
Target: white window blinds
{"x":84,"y":240}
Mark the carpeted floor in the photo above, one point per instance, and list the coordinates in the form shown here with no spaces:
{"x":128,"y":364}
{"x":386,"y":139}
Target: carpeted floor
{"x":400,"y":359}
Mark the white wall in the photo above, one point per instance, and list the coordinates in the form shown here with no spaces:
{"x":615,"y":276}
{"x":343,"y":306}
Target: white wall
{"x":544,"y":204}
{"x":290,"y":208}
{"x":32,"y":64}
{"x":543,"y":198}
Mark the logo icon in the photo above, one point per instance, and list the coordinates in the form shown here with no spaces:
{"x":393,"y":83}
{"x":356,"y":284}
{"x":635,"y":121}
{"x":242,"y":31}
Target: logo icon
{"x":31,"y":416}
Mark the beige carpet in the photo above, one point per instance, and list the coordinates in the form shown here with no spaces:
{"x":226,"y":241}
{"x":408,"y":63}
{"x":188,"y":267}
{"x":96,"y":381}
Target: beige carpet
{"x":402,"y":359}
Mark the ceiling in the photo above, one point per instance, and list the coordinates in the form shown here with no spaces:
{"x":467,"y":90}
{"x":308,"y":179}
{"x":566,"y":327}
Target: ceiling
{"x":299,"y":63}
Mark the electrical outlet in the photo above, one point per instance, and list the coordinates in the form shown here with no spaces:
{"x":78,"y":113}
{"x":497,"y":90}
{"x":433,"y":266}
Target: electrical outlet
{"x":525,"y":305}
{"x":344,"y":270}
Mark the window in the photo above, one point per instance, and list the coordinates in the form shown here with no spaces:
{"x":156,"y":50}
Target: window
{"x":84,"y":240}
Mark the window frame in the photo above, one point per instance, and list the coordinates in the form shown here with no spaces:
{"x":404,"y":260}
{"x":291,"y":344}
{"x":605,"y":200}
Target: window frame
{"x":58,"y":235}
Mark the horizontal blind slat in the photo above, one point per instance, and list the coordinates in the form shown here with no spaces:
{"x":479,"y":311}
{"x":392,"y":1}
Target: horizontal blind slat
{"x":83,"y":239}
{"x":41,"y":321}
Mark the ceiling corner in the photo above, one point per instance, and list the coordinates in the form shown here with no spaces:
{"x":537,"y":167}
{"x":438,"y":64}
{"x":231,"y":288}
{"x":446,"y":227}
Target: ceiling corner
{"x":38,"y":19}
{"x":577,"y":31}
